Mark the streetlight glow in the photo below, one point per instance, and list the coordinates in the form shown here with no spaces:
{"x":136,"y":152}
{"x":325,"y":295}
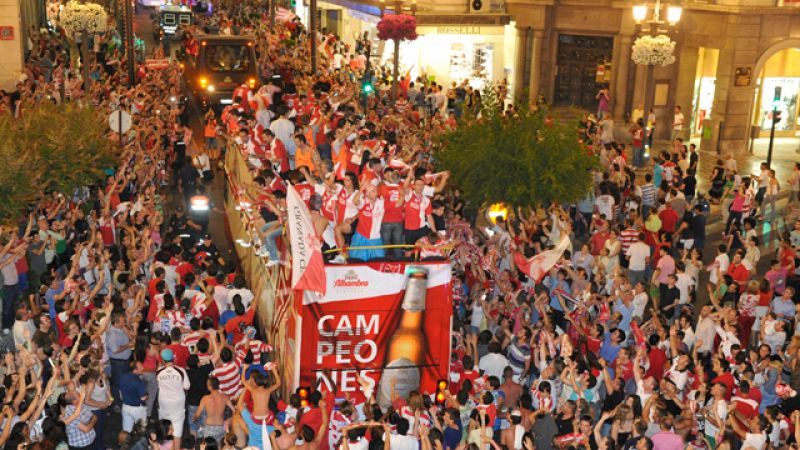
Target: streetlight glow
{"x":674,"y":14}
{"x":639,"y":13}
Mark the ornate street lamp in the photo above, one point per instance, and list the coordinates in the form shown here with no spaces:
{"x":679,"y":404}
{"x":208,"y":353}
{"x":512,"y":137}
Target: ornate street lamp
{"x":397,"y":27}
{"x":653,"y":46}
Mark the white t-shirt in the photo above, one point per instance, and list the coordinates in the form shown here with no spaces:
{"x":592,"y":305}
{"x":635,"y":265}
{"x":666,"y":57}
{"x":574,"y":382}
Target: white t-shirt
{"x":493,"y":364}
{"x":756,"y":441}
{"x":721,"y":263}
{"x":399,"y":442}
{"x":605,"y":205}
{"x":246,"y":294}
{"x":637,"y":254}
{"x":721,"y":407}
{"x":679,"y":120}
{"x":477,"y":315}
{"x":221,"y":297}
{"x":173,"y":382}
{"x":684,"y":283}
{"x":639,"y":304}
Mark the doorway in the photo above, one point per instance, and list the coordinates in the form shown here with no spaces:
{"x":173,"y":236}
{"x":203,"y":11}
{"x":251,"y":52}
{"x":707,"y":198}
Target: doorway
{"x":704,"y":87}
{"x":577,"y":59}
{"x":778,"y":87}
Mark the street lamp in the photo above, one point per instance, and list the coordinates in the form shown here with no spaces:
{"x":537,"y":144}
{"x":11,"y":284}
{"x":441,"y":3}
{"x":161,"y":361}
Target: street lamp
{"x":674,"y":13}
{"x":656,"y":26}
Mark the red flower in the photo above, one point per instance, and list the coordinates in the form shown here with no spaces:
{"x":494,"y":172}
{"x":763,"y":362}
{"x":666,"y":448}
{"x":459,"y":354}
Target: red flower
{"x":398,"y":27}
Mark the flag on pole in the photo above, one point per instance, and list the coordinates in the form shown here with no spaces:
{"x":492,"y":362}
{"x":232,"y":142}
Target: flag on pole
{"x":538,"y":266}
{"x":308,"y":267}
{"x":284,"y":15}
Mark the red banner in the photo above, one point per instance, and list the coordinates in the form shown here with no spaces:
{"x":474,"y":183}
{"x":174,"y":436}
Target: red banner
{"x":380,"y":321}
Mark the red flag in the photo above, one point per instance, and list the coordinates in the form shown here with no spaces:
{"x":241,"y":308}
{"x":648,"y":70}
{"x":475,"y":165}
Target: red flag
{"x":308,"y":267}
{"x":538,"y":266}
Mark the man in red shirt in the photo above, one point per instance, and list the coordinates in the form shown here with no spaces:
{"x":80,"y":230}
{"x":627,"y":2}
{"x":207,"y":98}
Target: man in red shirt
{"x":657,"y":357}
{"x":242,"y":320}
{"x":598,"y":239}
{"x":723,"y":370}
{"x":158,"y":275}
{"x":669,"y":218}
{"x":418,"y":220}
{"x":738,"y":271}
{"x":173,"y":342}
{"x":392,"y":226}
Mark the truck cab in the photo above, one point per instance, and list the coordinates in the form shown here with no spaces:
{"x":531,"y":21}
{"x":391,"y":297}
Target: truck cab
{"x":171,"y":17}
{"x":223,"y":63}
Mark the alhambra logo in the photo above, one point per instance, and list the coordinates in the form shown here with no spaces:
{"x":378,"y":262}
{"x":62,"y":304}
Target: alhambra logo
{"x":350,"y":280}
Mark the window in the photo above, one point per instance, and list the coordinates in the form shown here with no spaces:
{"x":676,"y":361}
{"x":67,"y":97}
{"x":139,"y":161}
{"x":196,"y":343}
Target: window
{"x":228,"y":57}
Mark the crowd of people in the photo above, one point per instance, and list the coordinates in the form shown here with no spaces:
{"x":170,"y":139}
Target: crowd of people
{"x":118,"y":306}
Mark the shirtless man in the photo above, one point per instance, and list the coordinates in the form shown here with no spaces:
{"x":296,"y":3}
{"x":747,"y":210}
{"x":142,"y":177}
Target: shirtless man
{"x":317,"y":219}
{"x":213,"y":405}
{"x":257,"y":388}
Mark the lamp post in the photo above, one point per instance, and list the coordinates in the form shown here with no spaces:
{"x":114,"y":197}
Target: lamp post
{"x":314,"y":27}
{"x":776,"y":116}
{"x":272,"y":16}
{"x":398,"y":9}
{"x":130,"y":43}
{"x":655,"y":26}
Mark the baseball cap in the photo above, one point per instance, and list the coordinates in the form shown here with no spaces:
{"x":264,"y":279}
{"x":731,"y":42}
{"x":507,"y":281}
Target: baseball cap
{"x":167,"y":355}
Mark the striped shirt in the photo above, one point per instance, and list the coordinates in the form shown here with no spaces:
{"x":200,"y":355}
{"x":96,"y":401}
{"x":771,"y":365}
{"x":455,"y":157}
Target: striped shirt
{"x":518,"y":354}
{"x":255,"y":347}
{"x":229,"y":376}
{"x":628,"y":236}
{"x":648,"y":194}
{"x":230,"y":382}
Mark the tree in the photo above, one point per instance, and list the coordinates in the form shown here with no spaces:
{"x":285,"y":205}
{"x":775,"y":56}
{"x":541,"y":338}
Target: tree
{"x":522,"y":160}
{"x":51,"y":148}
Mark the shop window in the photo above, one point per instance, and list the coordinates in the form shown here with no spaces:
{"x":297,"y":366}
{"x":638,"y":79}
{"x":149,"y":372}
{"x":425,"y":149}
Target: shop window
{"x":473,"y":62}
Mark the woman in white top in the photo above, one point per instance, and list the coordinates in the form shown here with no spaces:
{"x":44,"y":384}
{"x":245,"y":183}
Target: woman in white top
{"x":773,"y":187}
{"x":614,"y":246}
{"x":755,"y":433}
{"x":794,"y":184}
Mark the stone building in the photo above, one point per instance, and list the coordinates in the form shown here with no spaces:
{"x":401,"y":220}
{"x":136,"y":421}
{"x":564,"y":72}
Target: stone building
{"x":731,"y":54}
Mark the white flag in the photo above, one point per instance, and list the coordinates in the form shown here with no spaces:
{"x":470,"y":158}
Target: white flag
{"x":308,"y":267}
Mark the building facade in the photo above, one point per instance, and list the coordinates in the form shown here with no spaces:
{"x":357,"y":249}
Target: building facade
{"x":731,"y":55}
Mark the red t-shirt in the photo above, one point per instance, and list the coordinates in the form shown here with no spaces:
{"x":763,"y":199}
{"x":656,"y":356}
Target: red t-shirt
{"x":183,"y":269}
{"x":739,"y":273}
{"x":598,"y":241}
{"x":391,"y":193}
{"x":306,"y":191}
{"x":181,"y":354}
{"x":658,"y":358}
{"x":669,"y":219}
{"x":417,"y":208}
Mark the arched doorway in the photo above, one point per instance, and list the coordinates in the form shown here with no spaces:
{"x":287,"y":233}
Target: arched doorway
{"x":776,"y":78}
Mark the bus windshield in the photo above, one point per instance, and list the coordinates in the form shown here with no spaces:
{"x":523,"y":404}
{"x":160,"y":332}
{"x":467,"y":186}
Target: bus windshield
{"x":228,"y":57}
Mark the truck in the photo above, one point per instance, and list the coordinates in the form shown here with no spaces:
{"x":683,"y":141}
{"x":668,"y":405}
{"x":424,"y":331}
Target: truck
{"x":222,"y":64}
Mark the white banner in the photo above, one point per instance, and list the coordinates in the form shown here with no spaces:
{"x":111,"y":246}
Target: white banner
{"x":358,"y":282}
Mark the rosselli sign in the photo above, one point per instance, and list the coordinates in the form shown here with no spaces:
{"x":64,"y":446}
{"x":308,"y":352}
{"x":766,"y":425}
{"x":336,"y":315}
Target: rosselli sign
{"x":484,"y":30}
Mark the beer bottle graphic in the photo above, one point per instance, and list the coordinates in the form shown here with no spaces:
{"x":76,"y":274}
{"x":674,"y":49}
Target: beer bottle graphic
{"x":406,"y":349}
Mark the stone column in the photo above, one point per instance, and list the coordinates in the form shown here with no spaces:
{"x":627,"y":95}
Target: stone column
{"x":619,"y":71}
{"x":519,"y":61}
{"x":536,"y":64}
{"x":13,"y":50}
